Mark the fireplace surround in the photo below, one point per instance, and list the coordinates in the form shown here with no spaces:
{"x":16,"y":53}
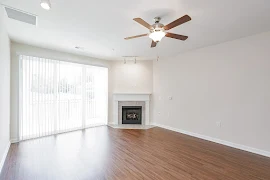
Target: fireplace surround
{"x":121,"y":100}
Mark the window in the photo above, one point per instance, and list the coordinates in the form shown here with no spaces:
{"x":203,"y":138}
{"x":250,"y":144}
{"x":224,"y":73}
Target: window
{"x":57,"y":96}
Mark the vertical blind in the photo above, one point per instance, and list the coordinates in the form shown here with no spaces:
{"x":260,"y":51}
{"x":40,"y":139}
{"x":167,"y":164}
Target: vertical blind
{"x":58,"y":96}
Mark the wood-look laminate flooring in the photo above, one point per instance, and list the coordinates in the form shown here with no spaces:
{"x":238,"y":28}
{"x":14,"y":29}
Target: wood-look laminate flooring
{"x":108,"y":153}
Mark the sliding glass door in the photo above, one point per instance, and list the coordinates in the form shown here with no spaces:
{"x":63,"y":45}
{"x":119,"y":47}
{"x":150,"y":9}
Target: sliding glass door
{"x":57,"y":96}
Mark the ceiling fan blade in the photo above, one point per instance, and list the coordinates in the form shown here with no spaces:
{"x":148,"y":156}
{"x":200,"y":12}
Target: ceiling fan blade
{"x":176,"y":36}
{"x":177,"y":22}
{"x":154,"y":44}
{"x":132,"y":37}
{"x":142,"y":22}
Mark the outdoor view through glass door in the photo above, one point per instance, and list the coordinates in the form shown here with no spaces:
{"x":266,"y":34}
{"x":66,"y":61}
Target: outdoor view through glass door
{"x":58,"y":96}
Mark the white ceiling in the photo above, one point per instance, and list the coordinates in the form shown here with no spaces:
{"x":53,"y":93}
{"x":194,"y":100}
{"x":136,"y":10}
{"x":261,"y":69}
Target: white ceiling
{"x":101,"y":26}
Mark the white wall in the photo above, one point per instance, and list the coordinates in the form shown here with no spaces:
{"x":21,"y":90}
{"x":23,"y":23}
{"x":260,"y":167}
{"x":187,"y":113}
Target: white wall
{"x":120,"y":76}
{"x":130,"y":78}
{"x":4,"y":88}
{"x":228,"y":82}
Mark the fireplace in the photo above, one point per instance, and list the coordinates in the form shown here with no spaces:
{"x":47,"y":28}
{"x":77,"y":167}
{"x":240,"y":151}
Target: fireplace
{"x":131,"y":114}
{"x":124,"y":99}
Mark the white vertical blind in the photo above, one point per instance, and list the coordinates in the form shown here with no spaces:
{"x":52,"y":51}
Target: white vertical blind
{"x":59,"y":96}
{"x":69,"y":96}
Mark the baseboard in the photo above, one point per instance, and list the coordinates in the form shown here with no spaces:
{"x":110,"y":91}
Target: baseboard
{"x":4,"y":157}
{"x":219,"y":141}
{"x":14,"y":141}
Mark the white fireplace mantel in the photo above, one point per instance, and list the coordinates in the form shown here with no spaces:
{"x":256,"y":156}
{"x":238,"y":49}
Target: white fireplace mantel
{"x":135,"y":97}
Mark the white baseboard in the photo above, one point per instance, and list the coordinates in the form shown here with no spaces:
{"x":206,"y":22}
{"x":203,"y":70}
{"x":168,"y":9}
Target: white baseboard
{"x":219,"y":141}
{"x":4,"y":157}
{"x":14,"y":141}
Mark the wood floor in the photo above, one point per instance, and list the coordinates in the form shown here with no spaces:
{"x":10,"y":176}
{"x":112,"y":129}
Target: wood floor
{"x":107,"y":153}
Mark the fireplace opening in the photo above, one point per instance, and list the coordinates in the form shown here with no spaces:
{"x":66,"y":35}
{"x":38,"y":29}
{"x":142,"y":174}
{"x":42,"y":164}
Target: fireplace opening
{"x":131,"y":114}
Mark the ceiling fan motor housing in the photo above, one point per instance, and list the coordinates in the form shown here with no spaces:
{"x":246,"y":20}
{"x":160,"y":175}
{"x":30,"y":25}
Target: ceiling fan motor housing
{"x":157,"y":27}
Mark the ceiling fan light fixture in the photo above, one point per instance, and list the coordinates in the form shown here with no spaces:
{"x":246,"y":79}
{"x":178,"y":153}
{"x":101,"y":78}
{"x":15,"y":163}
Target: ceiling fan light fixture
{"x":45,"y":4}
{"x":156,"y":36}
{"x":158,"y":30}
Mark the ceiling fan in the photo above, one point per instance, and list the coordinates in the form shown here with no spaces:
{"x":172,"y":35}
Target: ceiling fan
{"x":158,"y":30}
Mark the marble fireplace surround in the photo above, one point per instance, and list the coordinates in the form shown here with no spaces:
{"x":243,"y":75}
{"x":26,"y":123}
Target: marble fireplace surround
{"x":131,"y":99}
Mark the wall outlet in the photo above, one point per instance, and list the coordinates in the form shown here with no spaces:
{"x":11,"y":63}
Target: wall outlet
{"x":218,"y":123}
{"x":170,"y":97}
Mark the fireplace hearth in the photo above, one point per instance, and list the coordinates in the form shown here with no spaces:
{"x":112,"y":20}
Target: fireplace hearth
{"x":131,"y":114}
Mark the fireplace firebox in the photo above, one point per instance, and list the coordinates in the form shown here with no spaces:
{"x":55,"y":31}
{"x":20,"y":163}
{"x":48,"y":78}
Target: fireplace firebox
{"x":131,"y":114}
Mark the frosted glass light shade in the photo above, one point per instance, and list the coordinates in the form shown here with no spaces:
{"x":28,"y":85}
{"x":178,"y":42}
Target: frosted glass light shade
{"x":156,"y":36}
{"x":45,"y":4}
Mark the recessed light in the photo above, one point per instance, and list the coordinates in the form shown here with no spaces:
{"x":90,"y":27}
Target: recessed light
{"x":79,"y":48}
{"x":45,"y":4}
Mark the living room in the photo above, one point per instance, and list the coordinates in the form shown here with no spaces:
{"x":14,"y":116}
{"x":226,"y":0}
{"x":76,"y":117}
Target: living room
{"x":134,"y":90}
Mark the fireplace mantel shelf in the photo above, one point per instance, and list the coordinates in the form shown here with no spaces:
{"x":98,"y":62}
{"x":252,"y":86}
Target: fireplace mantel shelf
{"x":131,"y":97}
{"x":132,"y":93}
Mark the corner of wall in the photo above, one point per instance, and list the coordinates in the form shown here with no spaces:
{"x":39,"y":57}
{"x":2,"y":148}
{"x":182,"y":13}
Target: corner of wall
{"x":3,"y":158}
